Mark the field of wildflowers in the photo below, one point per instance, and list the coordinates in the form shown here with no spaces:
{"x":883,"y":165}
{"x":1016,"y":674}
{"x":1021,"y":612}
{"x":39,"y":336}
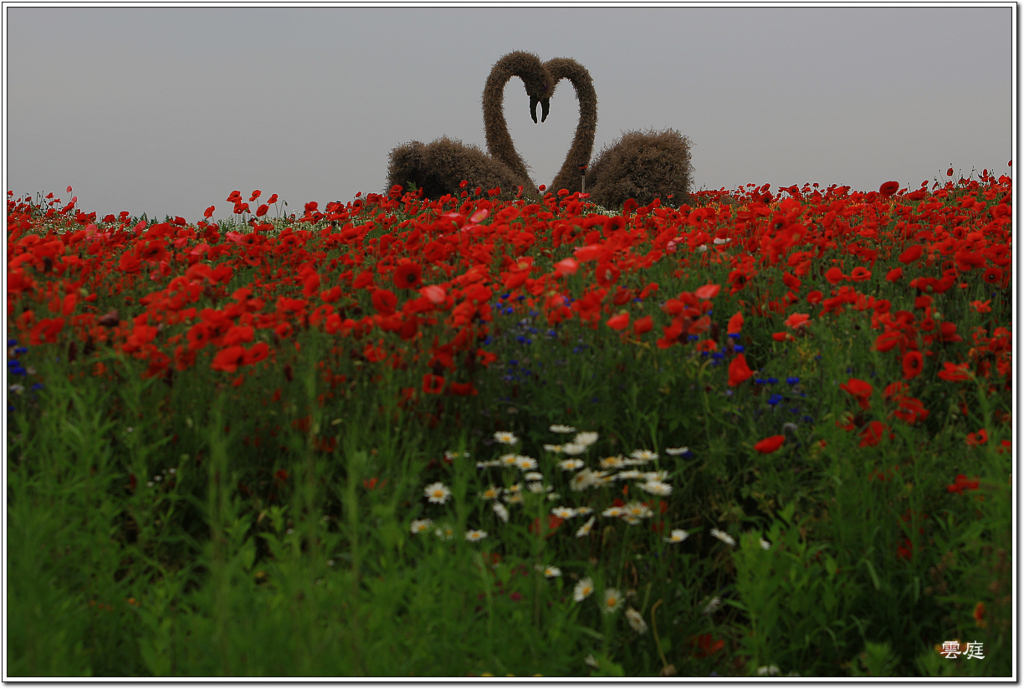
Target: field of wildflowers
{"x":768,"y":434}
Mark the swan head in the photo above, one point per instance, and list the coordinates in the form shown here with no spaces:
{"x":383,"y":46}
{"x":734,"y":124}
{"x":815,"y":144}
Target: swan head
{"x":544,"y":105}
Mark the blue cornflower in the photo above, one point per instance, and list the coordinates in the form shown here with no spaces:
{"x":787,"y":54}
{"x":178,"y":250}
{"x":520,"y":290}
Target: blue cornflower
{"x":759,"y":381}
{"x":773,"y":380}
{"x":693,"y":338}
{"x":717,"y":355}
{"x":774,"y":399}
{"x":792,"y":380}
{"x":739,"y":349}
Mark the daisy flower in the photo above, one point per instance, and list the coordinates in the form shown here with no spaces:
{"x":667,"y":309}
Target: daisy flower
{"x":637,"y":510}
{"x":636,"y":621}
{"x":508,"y":460}
{"x":488,"y":464}
{"x":513,"y":498}
{"x":586,"y":438}
{"x":557,"y":449}
{"x":525,"y":463}
{"x":505,"y":438}
{"x":558,"y":428}
{"x":475,"y":535}
{"x":437,"y":493}
{"x":491,"y":493}
{"x":611,"y":601}
{"x":573,"y":449}
{"x":655,"y":475}
{"x":582,"y":480}
{"x":676,"y":451}
{"x":584,"y":587}
{"x":612,"y":462}
{"x":564,"y":512}
{"x":570,"y":464}
{"x":420,"y":525}
{"x":715,"y":604}
{"x":613,"y":512}
{"x":444,"y":533}
{"x":765,"y":544}
{"x":585,"y":529}
{"x":723,"y":537}
{"x":678,"y":536}
{"x":500,"y":510}
{"x":534,"y":476}
{"x":550,"y":571}
{"x":656,"y":488}
{"x":644,"y":455}
{"x":584,"y":511}
{"x":449,"y":455}
{"x":629,"y":474}
{"x":537,"y":487}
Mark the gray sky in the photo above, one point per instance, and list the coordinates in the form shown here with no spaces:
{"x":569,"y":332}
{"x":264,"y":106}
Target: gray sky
{"x":167,"y":110}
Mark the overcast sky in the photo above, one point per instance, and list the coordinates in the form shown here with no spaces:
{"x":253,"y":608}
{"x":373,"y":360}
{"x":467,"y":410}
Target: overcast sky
{"x":167,"y":110}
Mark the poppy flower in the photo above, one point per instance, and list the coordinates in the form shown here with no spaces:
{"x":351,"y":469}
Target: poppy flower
{"x":797,"y":320}
{"x":860,"y":274}
{"x":872,"y":434}
{"x":770,"y":444}
{"x":407,"y":275}
{"x":619,"y":322}
{"x":860,"y":390}
{"x":433,"y":385}
{"x":385,"y":301}
{"x":954,"y":373}
{"x":913,"y":362}
{"x":643,"y":325}
{"x":707,"y":291}
{"x":888,"y":189}
{"x":735,"y":324}
{"x":739,"y":371}
{"x":567,"y":266}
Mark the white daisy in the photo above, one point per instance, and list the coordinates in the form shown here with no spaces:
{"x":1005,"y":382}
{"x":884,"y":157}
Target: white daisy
{"x":573,"y":449}
{"x":715,"y":604}
{"x":444,"y":533}
{"x":644,"y":455}
{"x":513,"y":498}
{"x":420,"y":525}
{"x":723,"y":537}
{"x":636,"y":621}
{"x":628,"y":474}
{"x":656,"y":488}
{"x":437,"y":493}
{"x":564,"y":512}
{"x":488,"y":464}
{"x":582,"y":480}
{"x":500,"y":510}
{"x":637,"y":510}
{"x":584,"y":511}
{"x":585,"y":529}
{"x":655,"y":475}
{"x":584,"y":587}
{"x":526,"y":463}
{"x":558,"y":428}
{"x":508,"y":460}
{"x":765,"y":544}
{"x":550,"y":571}
{"x":491,"y":493}
{"x":475,"y":535}
{"x":612,"y":462}
{"x":570,"y":464}
{"x":537,"y":487}
{"x":678,"y":536}
{"x":613,"y":512}
{"x":534,"y":476}
{"x":505,"y":438}
{"x":611,"y":601}
{"x":676,"y":451}
{"x":449,"y":455}
{"x":587,"y":438}
{"x":556,"y":449}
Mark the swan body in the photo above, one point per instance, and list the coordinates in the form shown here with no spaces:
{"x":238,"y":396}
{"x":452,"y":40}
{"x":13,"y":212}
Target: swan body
{"x":438,"y":168}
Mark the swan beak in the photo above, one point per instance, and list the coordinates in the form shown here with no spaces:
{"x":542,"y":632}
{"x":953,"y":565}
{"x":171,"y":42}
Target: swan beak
{"x":544,"y":105}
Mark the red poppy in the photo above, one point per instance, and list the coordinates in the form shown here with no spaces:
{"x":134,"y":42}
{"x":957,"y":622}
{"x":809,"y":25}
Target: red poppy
{"x":735,"y":324}
{"x":911,"y":254}
{"x":385,"y":301}
{"x":872,"y":434}
{"x":707,"y":291}
{"x":407,"y":275}
{"x":954,"y":373}
{"x":770,"y":444}
{"x":229,"y":359}
{"x":993,"y":275}
{"x":619,"y":322}
{"x":963,"y":483}
{"x":797,"y":320}
{"x":739,"y":371}
{"x":433,"y":385}
{"x":913,"y":362}
{"x":643,"y":325}
{"x":860,"y":274}
{"x":553,"y":523}
{"x":861,"y":391}
{"x":888,"y":189}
